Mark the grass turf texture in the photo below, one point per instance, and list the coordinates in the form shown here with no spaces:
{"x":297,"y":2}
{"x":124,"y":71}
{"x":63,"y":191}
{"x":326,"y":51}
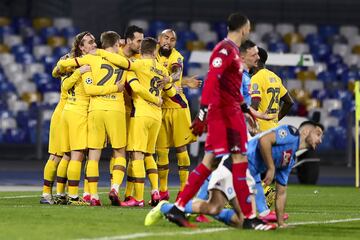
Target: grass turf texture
{"x":22,"y":217}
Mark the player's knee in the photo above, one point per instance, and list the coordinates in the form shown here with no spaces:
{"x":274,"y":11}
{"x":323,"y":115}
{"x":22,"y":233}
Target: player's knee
{"x":214,"y":209}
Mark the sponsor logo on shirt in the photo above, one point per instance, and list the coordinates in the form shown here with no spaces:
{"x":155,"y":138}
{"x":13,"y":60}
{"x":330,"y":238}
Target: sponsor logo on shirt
{"x":286,"y":158}
{"x":224,"y":51}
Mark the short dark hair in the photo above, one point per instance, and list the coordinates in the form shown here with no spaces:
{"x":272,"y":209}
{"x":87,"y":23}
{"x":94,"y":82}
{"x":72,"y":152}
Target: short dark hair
{"x":246,"y":45}
{"x":109,"y":39}
{"x":130,"y":30}
{"x":236,"y":21}
{"x":263,"y":55}
{"x":148,"y":45}
{"x":312,"y":123}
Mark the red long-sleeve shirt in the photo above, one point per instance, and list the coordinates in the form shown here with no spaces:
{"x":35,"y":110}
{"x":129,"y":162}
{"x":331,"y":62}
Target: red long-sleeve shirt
{"x":223,"y":82}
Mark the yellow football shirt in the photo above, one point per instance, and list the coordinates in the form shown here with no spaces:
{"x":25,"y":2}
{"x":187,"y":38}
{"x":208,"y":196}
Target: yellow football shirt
{"x":103,"y":73}
{"x":268,"y":87}
{"x":77,"y":99}
{"x":174,"y":59}
{"x":127,"y":92}
{"x":148,"y":72}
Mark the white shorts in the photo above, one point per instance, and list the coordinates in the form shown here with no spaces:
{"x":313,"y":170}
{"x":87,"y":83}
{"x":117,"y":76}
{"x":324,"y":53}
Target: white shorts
{"x":222,"y":180}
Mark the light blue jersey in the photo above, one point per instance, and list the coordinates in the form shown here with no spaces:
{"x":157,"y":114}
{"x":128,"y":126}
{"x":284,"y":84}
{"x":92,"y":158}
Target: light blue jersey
{"x":245,"y":87}
{"x":283,"y":153}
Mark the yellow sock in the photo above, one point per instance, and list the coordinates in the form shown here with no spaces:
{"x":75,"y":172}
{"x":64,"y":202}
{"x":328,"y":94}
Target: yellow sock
{"x":152,"y":171}
{"x":119,"y":169}
{"x":163,"y":168}
{"x":139,"y":175}
{"x":129,"y":181}
{"x":111,"y":166}
{"x":73,"y":173}
{"x":49,"y":175}
{"x":183,"y":163}
{"x":92,"y":173}
{"x":61,"y":176}
{"x":86,"y":181}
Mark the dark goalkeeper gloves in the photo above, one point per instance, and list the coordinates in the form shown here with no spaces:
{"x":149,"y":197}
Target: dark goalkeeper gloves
{"x":198,"y":126}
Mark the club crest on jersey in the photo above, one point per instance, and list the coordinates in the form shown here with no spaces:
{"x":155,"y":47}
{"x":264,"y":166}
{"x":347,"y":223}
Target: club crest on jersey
{"x":282,"y":133}
{"x":286,"y":158}
{"x":224,"y":51}
{"x":88,"y":80}
{"x":217,"y":62}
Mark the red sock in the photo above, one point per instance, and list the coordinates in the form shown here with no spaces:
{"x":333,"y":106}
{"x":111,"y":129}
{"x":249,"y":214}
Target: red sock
{"x":242,"y":189}
{"x":193,"y":184}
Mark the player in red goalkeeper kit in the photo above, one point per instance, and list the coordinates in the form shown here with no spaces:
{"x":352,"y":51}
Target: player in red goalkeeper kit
{"x":222,"y":110}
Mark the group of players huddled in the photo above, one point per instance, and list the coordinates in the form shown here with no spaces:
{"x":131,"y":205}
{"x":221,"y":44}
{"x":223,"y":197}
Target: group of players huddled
{"x":129,"y":94}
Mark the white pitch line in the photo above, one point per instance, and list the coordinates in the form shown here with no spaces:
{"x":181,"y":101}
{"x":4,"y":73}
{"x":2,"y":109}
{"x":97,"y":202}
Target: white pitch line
{"x":325,"y":222}
{"x":203,"y":231}
{"x":159,"y":234}
{"x":31,"y":196}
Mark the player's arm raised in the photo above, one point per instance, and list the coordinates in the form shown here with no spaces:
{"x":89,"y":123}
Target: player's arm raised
{"x":266,"y":143}
{"x":69,"y":82}
{"x":116,"y":59}
{"x":135,"y":85}
{"x":95,"y":90}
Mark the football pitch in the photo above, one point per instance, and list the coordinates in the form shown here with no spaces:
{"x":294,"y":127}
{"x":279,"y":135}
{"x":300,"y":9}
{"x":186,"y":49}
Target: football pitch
{"x":314,"y":213}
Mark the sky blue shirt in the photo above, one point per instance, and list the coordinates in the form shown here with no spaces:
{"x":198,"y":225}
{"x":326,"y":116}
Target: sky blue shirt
{"x":245,"y":87}
{"x":283,"y":153}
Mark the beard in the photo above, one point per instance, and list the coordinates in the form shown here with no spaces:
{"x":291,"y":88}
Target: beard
{"x":165,"y":52}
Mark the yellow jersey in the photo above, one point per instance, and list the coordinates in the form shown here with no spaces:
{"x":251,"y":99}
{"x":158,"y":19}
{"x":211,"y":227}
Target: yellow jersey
{"x":147,"y":72}
{"x":103,"y":73}
{"x":175,"y":59}
{"x":77,"y":99}
{"x":268,"y":87}
{"x":127,"y":92}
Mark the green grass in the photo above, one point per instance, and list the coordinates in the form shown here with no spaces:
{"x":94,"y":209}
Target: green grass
{"x":25,"y":218}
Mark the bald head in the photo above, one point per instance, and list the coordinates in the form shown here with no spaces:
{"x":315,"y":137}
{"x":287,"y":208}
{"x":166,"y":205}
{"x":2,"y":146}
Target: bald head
{"x":167,"y":41}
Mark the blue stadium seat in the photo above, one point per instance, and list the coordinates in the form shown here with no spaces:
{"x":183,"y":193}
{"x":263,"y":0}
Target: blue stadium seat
{"x":314,"y":39}
{"x":68,"y":32}
{"x":278,"y":47}
{"x":5,"y":30}
{"x":14,"y":136}
{"x":156,"y":26}
{"x":20,"y":49}
{"x":320,"y":51}
{"x":58,"y":52}
{"x":19,"y":23}
{"x":286,"y":73}
{"x":32,"y":41}
{"x":272,"y":37}
{"x":47,"y":32}
{"x":221,"y":29}
{"x":328,"y":140}
{"x":187,"y":35}
{"x":328,"y":30}
{"x":340,"y":138}
{"x":327,"y":76}
{"x":320,"y":94}
{"x":24,"y":58}
{"x":49,"y":62}
{"x":7,"y":87}
{"x":350,"y":76}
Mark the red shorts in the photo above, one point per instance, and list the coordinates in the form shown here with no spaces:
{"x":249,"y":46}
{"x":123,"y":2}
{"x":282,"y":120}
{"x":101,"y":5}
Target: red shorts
{"x":227,"y":132}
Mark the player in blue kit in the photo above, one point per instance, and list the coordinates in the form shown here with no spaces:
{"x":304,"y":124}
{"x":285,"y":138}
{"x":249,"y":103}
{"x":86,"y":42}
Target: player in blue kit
{"x":271,"y":152}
